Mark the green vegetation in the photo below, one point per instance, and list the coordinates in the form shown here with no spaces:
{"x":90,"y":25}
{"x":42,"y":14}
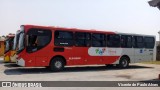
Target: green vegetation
{"x":152,"y":62}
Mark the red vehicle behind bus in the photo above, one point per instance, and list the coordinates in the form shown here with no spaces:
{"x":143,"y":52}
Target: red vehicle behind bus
{"x":56,"y":47}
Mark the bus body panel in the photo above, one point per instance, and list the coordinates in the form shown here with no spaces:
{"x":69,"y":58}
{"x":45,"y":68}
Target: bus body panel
{"x":7,"y":56}
{"x":10,"y":56}
{"x":41,"y":58}
{"x":13,"y":56}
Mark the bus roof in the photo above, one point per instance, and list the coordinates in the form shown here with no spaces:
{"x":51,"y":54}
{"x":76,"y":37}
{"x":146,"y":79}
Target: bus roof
{"x":69,"y":29}
{"x":134,"y":34}
{"x":10,"y":35}
{"x":83,"y":30}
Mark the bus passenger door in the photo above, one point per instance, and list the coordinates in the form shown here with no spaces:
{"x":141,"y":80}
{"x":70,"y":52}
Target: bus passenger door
{"x":38,"y":46}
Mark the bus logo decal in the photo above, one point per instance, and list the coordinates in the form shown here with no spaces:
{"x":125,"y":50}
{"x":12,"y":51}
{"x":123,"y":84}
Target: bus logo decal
{"x":100,"y":51}
{"x":93,"y":51}
{"x":141,"y":51}
{"x":112,"y":52}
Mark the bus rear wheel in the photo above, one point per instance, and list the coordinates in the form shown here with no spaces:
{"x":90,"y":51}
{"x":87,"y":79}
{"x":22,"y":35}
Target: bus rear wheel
{"x":124,"y":62}
{"x":57,"y":64}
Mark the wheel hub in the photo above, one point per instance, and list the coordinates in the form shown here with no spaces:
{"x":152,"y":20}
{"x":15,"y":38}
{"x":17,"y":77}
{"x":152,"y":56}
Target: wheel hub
{"x":124,"y":63}
{"x":58,"y":64}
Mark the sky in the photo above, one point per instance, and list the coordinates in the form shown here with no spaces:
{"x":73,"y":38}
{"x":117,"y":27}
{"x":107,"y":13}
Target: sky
{"x":127,"y":16}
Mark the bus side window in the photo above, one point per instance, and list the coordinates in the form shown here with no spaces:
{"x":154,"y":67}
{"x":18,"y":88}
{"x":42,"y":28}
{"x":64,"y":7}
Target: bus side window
{"x":82,"y":39}
{"x":32,"y":40}
{"x":38,"y":39}
{"x":123,"y":41}
{"x":63,"y":38}
{"x":149,"y":42}
{"x":98,"y":40}
{"x":126,"y":41}
{"x":113,"y":40}
{"x":138,"y":42}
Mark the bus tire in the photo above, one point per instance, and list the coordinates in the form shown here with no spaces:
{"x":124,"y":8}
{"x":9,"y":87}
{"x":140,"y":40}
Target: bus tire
{"x":124,"y":62}
{"x":57,"y":64}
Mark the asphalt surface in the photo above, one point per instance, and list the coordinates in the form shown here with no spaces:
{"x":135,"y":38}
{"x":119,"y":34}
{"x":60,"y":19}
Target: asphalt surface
{"x":135,"y":72}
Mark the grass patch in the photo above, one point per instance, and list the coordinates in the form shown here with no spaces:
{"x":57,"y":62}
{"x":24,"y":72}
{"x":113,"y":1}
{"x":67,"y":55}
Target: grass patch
{"x":152,"y":62}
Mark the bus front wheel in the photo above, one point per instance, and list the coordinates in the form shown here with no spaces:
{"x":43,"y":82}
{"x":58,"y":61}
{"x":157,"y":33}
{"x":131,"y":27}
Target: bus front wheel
{"x":124,"y":62}
{"x":57,"y":64}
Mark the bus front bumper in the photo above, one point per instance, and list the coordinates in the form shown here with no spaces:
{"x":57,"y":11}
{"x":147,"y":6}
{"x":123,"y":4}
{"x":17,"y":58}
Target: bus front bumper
{"x":20,"y":62}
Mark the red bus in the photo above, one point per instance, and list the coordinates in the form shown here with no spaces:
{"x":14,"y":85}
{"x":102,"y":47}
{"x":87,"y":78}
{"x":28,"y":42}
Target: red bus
{"x":56,"y":47}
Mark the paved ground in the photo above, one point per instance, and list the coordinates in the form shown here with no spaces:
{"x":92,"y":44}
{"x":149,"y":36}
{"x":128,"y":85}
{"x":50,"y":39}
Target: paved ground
{"x":136,"y":72}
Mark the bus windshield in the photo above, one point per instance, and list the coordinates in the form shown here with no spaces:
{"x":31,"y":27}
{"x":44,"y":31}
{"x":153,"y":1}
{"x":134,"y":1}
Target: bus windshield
{"x":15,"y":42}
{"x":21,"y":42}
{"x":7,"y":46}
